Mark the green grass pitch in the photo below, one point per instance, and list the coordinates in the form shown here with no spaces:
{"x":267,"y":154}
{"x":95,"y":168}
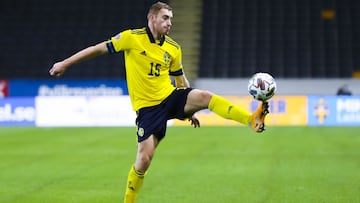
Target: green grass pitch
{"x":206,"y":165}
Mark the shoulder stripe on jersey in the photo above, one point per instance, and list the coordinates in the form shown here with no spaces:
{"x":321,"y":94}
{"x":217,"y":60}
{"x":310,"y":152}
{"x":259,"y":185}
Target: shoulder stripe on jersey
{"x":110,"y":47}
{"x":170,"y":39}
{"x":176,"y":73}
{"x":172,"y":42}
{"x":138,"y":31}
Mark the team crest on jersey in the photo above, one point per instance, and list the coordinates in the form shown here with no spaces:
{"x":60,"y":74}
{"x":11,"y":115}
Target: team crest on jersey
{"x":167,"y":59}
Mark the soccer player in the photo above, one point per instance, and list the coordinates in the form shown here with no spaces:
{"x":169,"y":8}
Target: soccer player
{"x":151,"y":57}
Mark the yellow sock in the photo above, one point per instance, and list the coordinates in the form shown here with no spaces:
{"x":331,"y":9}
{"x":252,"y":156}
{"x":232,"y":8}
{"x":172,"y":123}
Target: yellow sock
{"x":228,"y":110}
{"x":134,"y":183}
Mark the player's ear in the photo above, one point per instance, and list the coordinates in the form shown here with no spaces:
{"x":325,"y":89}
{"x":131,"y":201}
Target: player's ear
{"x":151,"y":16}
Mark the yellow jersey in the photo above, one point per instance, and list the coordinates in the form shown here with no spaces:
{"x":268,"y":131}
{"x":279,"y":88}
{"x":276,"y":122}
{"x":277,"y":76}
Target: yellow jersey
{"x":149,"y":63}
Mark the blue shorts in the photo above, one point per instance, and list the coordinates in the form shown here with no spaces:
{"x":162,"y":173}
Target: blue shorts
{"x":153,"y":120}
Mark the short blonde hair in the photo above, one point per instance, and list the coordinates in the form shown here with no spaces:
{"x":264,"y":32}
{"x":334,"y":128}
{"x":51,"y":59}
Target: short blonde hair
{"x":156,"y":7}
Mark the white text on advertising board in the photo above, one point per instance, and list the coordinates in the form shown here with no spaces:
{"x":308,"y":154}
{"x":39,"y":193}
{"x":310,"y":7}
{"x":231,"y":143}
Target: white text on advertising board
{"x":348,"y":110}
{"x":19,"y":113}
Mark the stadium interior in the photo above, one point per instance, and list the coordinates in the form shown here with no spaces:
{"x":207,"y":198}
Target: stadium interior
{"x":220,"y":39}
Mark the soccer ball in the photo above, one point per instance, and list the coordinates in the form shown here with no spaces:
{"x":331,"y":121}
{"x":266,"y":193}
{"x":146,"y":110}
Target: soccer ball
{"x":262,"y":86}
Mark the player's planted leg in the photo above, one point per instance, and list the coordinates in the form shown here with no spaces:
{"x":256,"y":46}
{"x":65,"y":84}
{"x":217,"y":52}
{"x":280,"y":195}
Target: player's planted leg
{"x":146,"y":150}
{"x":135,"y":181}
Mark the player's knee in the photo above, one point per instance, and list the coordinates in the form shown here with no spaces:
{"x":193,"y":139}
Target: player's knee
{"x":144,"y":161}
{"x":205,"y":97}
{"x":197,"y":100}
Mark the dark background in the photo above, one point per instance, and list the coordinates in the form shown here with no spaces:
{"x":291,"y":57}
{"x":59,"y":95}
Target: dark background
{"x":289,"y":38}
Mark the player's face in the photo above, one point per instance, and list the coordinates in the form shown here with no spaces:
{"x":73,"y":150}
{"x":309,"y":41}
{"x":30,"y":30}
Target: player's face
{"x":162,"y":22}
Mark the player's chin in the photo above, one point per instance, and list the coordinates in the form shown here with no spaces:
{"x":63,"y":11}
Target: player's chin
{"x":166,"y":31}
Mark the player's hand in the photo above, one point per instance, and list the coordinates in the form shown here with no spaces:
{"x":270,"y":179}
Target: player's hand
{"x":58,"y":69}
{"x":194,"y":121}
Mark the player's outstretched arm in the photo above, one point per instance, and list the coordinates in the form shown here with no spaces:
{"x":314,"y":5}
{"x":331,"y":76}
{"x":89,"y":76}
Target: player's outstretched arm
{"x":59,"y":68}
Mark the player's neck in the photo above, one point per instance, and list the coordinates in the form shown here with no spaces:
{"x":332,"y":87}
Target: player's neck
{"x":155,"y":35}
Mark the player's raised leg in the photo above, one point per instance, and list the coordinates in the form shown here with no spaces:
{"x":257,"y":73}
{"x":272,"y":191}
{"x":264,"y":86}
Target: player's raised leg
{"x":228,"y":110}
{"x":199,"y":99}
{"x":258,"y":117}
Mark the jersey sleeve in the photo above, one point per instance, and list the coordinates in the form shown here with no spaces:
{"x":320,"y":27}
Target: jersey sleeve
{"x":120,"y":42}
{"x":176,"y":67}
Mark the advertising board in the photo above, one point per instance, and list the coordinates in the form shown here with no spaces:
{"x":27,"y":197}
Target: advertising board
{"x":84,"y":111}
{"x":21,"y":88}
{"x":17,"y":111}
{"x":4,"y":88}
{"x":334,"y":110}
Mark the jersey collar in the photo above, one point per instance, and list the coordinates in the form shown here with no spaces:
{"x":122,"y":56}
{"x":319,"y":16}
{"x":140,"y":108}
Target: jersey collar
{"x":151,"y":37}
